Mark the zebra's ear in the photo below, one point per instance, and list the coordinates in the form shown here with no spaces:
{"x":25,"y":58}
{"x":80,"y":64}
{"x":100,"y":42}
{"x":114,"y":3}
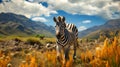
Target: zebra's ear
{"x":63,"y":19}
{"x":55,"y":20}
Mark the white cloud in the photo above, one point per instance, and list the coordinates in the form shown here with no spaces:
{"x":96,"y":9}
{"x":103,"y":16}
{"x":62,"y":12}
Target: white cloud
{"x":81,"y":28}
{"x":26,"y":8}
{"x":41,"y":19}
{"x":86,"y":21}
{"x":104,"y":8}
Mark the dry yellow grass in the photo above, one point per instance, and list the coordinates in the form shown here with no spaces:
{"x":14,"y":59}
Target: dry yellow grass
{"x":106,"y":56}
{"x":46,"y":59}
{"x":4,"y":60}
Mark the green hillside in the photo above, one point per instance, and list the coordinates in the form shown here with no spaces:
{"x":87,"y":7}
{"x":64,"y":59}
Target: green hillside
{"x":12,"y":24}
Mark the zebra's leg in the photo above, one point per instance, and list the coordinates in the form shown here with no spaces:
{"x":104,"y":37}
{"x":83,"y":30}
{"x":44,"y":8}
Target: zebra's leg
{"x":58,"y":49}
{"x":66,"y":54}
{"x":75,"y":45}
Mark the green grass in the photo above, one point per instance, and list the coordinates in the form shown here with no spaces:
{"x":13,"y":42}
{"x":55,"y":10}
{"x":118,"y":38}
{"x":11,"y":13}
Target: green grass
{"x":29,"y":38}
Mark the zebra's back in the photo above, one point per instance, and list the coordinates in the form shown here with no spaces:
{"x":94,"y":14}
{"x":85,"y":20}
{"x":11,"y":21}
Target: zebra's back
{"x":72,"y":28}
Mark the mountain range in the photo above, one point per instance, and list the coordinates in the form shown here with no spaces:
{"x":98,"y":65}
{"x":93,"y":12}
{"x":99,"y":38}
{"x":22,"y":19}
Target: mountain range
{"x":111,"y":26}
{"x":13,"y":24}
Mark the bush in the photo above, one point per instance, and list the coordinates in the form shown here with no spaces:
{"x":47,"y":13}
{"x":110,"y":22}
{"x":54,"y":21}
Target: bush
{"x":33,"y":41}
{"x":41,"y":36}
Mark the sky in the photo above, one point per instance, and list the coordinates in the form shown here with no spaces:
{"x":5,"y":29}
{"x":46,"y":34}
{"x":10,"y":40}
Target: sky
{"x":83,"y":13}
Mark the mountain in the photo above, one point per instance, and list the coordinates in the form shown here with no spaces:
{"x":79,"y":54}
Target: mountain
{"x":107,"y":28}
{"x":13,"y":24}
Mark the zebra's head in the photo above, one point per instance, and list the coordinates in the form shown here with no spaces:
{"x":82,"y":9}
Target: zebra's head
{"x":60,"y":25}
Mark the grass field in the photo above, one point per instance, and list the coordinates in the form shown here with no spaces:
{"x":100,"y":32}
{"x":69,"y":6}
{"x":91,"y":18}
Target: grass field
{"x":89,"y":54}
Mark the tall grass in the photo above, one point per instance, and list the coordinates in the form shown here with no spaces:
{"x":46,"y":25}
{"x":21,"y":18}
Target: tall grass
{"x":106,"y":56}
{"x":47,"y":59}
{"x":4,"y":59}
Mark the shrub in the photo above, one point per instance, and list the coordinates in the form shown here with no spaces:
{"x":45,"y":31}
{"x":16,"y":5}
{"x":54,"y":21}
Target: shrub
{"x":33,"y":41}
{"x":41,"y":36}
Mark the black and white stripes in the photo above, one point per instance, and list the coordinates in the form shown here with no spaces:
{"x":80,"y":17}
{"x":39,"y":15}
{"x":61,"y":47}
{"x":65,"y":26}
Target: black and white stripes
{"x":72,"y":28}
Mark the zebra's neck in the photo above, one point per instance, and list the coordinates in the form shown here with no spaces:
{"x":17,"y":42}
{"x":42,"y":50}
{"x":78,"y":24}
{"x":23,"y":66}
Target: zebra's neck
{"x":63,"y":38}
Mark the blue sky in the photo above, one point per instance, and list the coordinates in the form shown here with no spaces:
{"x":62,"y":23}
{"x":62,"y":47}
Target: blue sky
{"x":78,"y":20}
{"x":83,"y":13}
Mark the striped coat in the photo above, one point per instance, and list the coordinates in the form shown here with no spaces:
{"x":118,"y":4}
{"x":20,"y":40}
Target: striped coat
{"x":67,"y":35}
{"x":70,"y":34}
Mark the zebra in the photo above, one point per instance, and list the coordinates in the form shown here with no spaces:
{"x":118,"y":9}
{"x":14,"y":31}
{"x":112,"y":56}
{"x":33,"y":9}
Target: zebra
{"x":66,"y":35}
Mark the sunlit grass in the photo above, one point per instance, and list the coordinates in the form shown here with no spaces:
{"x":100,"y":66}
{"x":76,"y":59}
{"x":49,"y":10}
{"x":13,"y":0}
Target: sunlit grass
{"x":4,"y":59}
{"x":44,"y":41}
{"x":107,"y":55}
